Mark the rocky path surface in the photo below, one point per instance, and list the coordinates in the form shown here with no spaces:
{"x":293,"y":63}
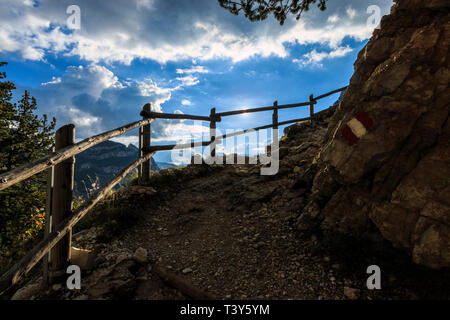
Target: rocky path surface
{"x":233,"y":252}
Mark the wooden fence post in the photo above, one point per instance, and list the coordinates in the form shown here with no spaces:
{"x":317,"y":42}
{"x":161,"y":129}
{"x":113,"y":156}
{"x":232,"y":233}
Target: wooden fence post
{"x":140,"y":154}
{"x":311,"y":107}
{"x":61,"y":205}
{"x":48,"y":212}
{"x":144,"y":142}
{"x":275,"y":115}
{"x":212,"y":132}
{"x":274,"y":126}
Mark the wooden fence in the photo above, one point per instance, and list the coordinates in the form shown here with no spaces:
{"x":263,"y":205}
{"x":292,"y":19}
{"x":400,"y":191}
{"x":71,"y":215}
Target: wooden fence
{"x":60,"y":166}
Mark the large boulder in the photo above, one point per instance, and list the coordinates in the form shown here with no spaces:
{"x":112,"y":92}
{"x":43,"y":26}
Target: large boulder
{"x":387,"y":149}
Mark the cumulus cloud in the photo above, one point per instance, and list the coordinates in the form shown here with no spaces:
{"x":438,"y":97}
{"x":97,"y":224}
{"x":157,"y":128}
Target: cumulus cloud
{"x":53,"y":81}
{"x":333,"y":19}
{"x":188,"y":80}
{"x":147,"y":4}
{"x":315,"y":59}
{"x":194,"y":69}
{"x":351,"y":13}
{"x":186,"y":102}
{"x":95,"y":100}
{"x":79,"y":118}
{"x":118,"y":31}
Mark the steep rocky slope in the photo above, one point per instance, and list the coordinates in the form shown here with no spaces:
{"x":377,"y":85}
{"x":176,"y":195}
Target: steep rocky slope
{"x":393,"y":169}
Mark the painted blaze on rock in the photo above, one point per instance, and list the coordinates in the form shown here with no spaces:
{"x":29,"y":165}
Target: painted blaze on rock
{"x":356,"y":128}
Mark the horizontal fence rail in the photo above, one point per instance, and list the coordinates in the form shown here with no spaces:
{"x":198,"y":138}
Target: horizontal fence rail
{"x":188,"y":145}
{"x":330,"y":93}
{"x":54,"y":237}
{"x":268,"y":126}
{"x":23,"y":172}
{"x":284,"y":106}
{"x":160,"y":115}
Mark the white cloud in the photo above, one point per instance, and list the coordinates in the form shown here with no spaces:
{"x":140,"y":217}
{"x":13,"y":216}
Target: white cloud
{"x":80,"y":118}
{"x":186,"y":102}
{"x":351,"y":13}
{"x":92,"y":80}
{"x":188,"y":81}
{"x":29,"y":3}
{"x":115,"y":31}
{"x":126,"y":140}
{"x":340,"y":52}
{"x":181,"y":132}
{"x":95,"y":100}
{"x":315,"y":58}
{"x":32,"y":53}
{"x":149,"y":88}
{"x":194,"y":69}
{"x":147,"y":4}
{"x":333,"y":18}
{"x":53,"y":81}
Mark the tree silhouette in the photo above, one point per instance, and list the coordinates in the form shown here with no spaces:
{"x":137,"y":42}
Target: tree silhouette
{"x":256,"y":10}
{"x":24,"y":137}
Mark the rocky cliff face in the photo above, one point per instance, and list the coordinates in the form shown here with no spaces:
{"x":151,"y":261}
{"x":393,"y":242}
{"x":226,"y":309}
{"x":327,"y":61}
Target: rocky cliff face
{"x":386,"y":155}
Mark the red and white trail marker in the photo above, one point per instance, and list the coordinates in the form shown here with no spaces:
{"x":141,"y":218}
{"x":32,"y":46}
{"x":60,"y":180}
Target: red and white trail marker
{"x":356,"y":128}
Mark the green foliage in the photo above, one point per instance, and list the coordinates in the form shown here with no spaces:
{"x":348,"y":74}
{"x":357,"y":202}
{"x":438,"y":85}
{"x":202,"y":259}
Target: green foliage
{"x":24,"y":137}
{"x":256,"y":10}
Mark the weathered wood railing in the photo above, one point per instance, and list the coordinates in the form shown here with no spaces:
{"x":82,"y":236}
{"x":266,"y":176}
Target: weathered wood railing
{"x":60,"y":167}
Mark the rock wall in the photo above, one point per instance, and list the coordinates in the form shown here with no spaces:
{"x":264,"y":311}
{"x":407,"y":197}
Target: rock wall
{"x":395,"y":173}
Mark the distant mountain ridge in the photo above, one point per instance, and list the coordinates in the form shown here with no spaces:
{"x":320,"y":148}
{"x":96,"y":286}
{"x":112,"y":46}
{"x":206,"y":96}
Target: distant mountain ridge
{"x":166,"y":165}
{"x":103,"y":161}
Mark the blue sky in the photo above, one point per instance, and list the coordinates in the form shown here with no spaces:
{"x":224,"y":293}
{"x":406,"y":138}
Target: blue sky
{"x":182,"y":56}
